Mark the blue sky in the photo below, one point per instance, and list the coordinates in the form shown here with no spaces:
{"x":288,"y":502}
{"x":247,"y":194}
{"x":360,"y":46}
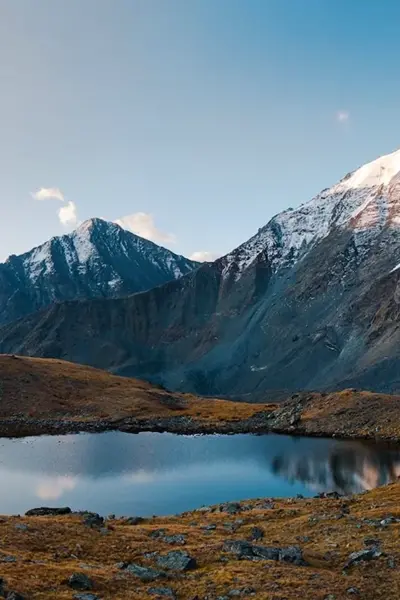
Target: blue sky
{"x":206,"y":117}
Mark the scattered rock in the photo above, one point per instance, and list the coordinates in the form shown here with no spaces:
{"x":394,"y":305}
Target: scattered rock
{"x":245,"y":550}
{"x":241,"y":548}
{"x":133,"y":521}
{"x":162,"y":591}
{"x":15,"y":596}
{"x":209,"y":527}
{"x":257,"y":533}
{"x":157,"y":533}
{"x":362,"y":555}
{"x":21,"y":527}
{"x":144,"y":573}
{"x":45,"y":511}
{"x":372,"y":542}
{"x":353,"y":591}
{"x":93,"y":520}
{"x":85,"y":597}
{"x":178,"y":539}
{"x":231,"y":507}
{"x":391,"y":563}
{"x":7,"y":559}
{"x":80,"y":581}
{"x":177,"y":560}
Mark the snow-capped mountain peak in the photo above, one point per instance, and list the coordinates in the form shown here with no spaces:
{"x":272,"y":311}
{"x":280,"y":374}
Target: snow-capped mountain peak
{"x":366,"y":201}
{"x":98,"y":259}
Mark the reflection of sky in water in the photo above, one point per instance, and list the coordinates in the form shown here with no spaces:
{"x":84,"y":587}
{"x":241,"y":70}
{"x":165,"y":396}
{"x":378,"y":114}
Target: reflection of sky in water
{"x":154,"y":473}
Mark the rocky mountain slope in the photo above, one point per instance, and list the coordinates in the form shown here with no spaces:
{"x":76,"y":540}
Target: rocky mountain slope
{"x":99,"y":259}
{"x":310,"y":302}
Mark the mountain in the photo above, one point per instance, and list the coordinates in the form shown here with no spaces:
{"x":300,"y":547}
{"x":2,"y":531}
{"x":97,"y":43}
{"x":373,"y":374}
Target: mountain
{"x":310,"y":302}
{"x":98,"y":260}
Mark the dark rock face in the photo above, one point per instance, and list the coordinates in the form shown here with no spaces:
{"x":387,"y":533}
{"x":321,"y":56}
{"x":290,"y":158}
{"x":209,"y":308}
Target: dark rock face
{"x":314,"y":295}
{"x":98,"y":260}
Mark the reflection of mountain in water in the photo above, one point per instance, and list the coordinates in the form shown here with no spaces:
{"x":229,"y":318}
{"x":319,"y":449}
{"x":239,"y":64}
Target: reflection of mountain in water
{"x":321,"y":464}
{"x":348,"y":468}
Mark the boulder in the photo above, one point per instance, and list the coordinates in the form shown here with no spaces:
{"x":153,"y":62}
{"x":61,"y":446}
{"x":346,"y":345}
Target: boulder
{"x":80,"y":581}
{"x":177,"y":560}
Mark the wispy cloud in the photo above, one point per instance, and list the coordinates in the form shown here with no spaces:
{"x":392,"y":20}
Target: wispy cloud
{"x":143,"y":224}
{"x":204,"y":256}
{"x":342,"y":116}
{"x":67,"y":214}
{"x":49,"y":194}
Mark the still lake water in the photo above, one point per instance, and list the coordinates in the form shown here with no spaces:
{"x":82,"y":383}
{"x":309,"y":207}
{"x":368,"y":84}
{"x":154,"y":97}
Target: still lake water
{"x":153,"y":473}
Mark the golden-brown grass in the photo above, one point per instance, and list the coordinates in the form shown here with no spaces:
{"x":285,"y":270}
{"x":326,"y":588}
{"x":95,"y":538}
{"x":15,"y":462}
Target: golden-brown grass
{"x":49,"y":388}
{"x":52,"y":548}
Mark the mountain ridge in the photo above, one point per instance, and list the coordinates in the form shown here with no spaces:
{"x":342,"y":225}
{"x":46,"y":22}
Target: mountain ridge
{"x":309,"y":302}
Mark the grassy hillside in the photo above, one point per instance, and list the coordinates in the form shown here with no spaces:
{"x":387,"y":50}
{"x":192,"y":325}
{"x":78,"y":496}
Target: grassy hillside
{"x":55,"y":389}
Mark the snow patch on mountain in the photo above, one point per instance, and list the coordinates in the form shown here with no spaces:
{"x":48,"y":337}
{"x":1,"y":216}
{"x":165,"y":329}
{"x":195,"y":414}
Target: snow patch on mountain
{"x":365,"y":201}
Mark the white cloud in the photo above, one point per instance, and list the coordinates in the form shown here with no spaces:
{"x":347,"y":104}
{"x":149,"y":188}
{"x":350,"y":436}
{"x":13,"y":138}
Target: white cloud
{"x":67,"y":214}
{"x":143,"y":224}
{"x":204,"y":256}
{"x":49,"y":194}
{"x":342,"y":116}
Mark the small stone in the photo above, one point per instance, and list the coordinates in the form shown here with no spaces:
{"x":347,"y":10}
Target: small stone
{"x":80,"y":581}
{"x":372,"y":542}
{"x":209,"y":527}
{"x":257,"y":533}
{"x":241,"y":548}
{"x":144,"y":573}
{"x":7,"y":559}
{"x":353,"y":591}
{"x":231,"y":507}
{"x":45,"y":511}
{"x":162,"y":591}
{"x":93,"y":520}
{"x":177,"y":560}
{"x":391,"y":563}
{"x":15,"y":596}
{"x":362,"y":555}
{"x":133,"y":521}
{"x":85,"y":597}
{"x":178,"y":539}
{"x":21,"y":527}
{"x":157,"y":533}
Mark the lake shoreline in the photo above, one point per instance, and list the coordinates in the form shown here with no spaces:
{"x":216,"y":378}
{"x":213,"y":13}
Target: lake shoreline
{"x":262,"y":423}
